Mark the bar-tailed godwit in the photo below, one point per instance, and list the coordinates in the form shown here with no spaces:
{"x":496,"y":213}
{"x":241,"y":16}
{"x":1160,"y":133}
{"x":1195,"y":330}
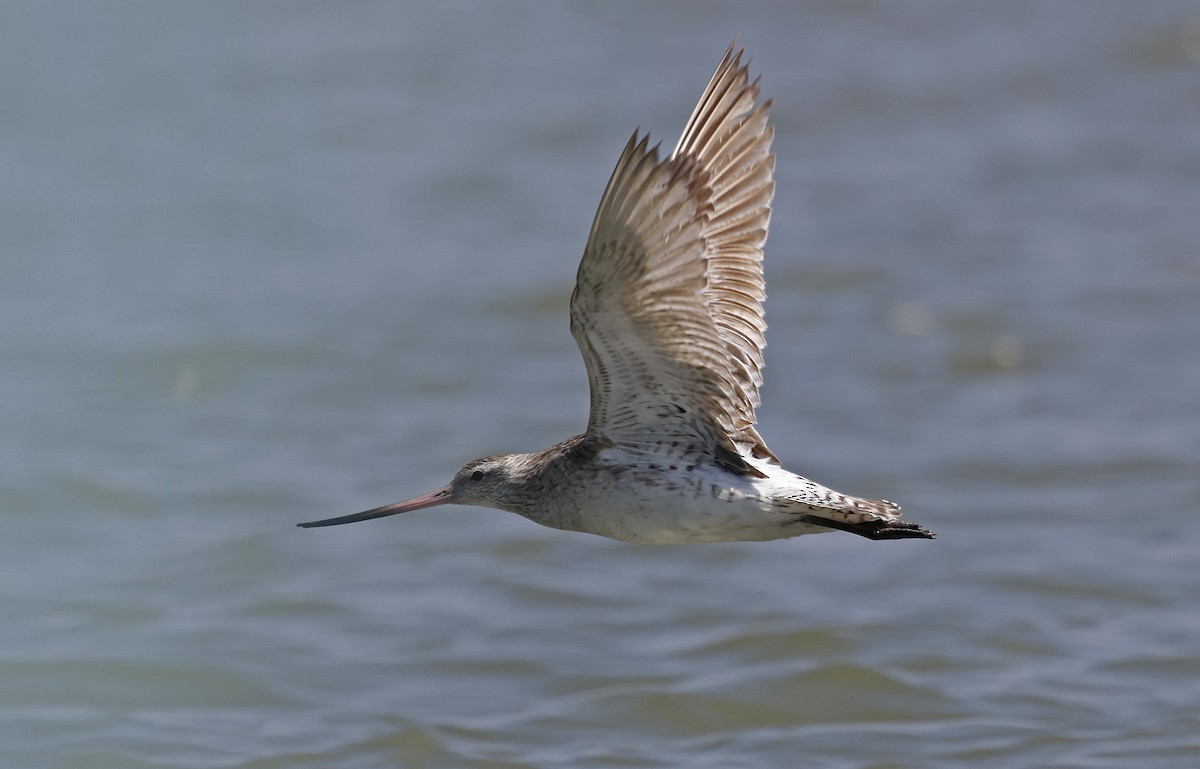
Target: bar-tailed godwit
{"x":668,"y":313}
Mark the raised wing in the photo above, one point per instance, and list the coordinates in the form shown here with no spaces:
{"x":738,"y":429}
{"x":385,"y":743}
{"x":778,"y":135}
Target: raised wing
{"x":668,"y":301}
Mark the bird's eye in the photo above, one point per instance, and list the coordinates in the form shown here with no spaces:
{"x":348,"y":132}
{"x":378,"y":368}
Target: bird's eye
{"x":477,"y":475}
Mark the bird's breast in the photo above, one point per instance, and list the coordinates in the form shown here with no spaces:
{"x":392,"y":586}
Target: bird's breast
{"x":682,"y":500}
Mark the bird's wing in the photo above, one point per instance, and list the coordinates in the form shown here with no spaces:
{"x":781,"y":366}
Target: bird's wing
{"x":668,"y":301}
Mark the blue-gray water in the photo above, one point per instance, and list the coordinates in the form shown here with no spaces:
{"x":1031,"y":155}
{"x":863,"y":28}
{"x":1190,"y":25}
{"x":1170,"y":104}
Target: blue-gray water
{"x":262,"y":263}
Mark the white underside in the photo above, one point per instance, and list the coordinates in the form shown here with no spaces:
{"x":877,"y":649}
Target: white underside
{"x":651,"y":503}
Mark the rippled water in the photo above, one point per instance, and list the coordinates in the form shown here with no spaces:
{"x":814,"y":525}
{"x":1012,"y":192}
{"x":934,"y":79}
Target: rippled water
{"x":264,"y":263}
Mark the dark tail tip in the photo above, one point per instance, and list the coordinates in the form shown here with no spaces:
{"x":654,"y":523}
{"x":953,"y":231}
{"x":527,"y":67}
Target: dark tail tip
{"x":877,"y":529}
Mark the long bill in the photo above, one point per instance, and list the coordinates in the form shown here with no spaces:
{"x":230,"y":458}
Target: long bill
{"x":442,"y":496}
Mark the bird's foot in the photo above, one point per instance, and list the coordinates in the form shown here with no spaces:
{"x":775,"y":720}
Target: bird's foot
{"x":877,"y":528}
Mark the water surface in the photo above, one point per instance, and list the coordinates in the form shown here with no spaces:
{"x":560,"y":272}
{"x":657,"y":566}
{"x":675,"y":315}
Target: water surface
{"x":265,"y":263}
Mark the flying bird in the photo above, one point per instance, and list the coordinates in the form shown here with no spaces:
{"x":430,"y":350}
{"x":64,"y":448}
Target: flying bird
{"x":668,"y":313}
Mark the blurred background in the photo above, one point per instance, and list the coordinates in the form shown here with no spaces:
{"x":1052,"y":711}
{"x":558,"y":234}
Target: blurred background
{"x":263,"y":263}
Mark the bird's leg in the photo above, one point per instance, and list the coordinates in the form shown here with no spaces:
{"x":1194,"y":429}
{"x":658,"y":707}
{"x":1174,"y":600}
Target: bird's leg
{"x":875,"y":529}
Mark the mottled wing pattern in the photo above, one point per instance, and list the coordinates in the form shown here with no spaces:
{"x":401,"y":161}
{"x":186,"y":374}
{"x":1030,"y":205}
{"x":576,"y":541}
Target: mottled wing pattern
{"x":668,"y":302}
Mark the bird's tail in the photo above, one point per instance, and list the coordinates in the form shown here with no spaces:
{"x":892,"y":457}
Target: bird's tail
{"x":870,"y":518}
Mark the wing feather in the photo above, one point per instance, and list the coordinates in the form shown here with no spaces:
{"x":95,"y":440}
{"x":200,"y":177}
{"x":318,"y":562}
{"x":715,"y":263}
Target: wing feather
{"x":668,"y":301}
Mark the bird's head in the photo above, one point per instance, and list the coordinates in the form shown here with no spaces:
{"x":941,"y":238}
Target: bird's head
{"x":497,"y":481}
